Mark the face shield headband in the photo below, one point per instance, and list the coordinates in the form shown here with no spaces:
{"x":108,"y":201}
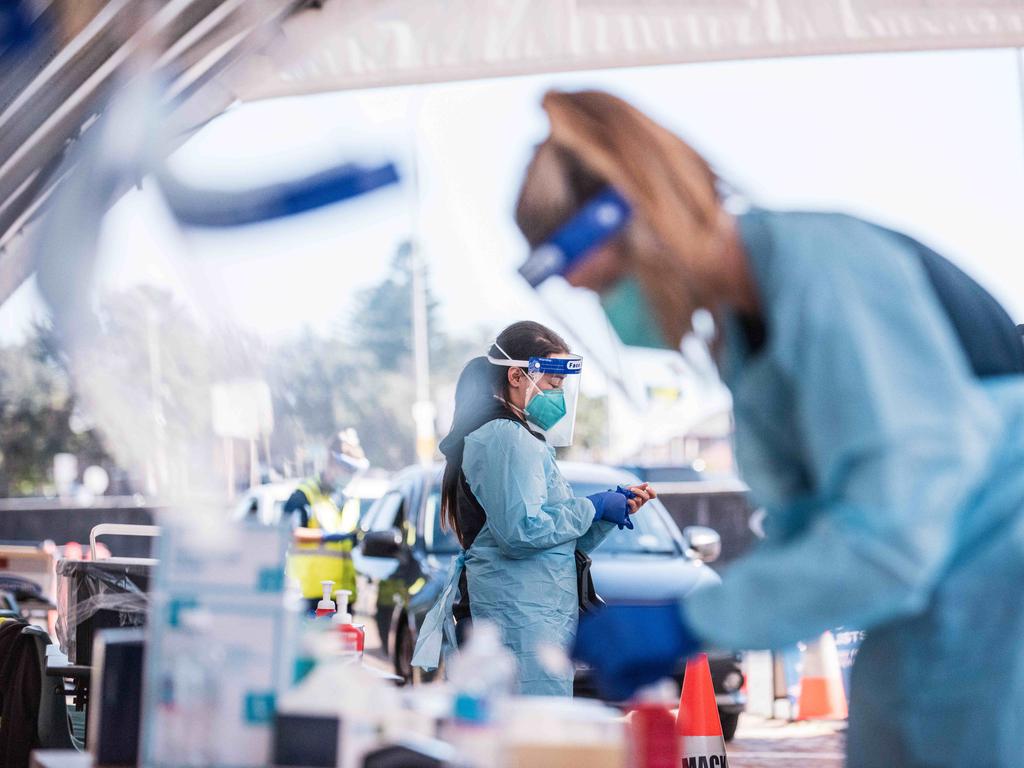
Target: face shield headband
{"x":601,"y":218}
{"x":550,"y":411}
{"x":356,"y":464}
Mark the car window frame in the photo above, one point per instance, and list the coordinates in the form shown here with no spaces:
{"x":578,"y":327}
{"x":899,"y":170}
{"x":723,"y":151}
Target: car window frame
{"x":425,"y":480}
{"x":423,"y":525}
{"x":373,"y":515}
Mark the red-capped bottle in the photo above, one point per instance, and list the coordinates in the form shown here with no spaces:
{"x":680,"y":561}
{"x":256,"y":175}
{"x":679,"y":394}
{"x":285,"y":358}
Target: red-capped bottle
{"x":353,"y":636}
{"x":654,"y":741}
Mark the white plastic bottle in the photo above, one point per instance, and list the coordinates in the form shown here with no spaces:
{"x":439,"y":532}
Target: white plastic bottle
{"x":326,"y":606}
{"x":353,"y":636}
{"x":482,"y":675}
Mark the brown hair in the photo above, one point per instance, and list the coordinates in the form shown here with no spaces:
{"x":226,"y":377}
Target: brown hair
{"x":598,"y":139}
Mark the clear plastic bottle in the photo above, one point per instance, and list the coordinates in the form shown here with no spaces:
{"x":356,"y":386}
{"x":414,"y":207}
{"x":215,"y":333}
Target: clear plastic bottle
{"x":482,"y":675}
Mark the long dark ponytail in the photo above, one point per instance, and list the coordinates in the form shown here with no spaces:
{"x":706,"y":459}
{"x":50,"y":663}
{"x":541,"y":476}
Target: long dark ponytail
{"x":480,"y":396}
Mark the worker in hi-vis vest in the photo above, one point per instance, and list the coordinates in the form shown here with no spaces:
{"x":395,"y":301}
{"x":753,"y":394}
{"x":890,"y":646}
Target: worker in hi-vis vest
{"x":324,"y":530}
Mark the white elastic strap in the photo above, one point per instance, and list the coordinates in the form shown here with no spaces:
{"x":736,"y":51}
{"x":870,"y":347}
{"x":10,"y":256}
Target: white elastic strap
{"x":506,"y":354}
{"x":518,"y":411}
{"x":509,"y":363}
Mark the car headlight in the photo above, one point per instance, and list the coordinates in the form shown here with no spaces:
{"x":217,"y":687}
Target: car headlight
{"x":732,"y":682}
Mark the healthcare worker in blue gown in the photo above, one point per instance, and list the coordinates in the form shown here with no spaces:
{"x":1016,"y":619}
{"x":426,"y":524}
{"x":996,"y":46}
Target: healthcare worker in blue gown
{"x":879,"y":412}
{"x":514,"y":514}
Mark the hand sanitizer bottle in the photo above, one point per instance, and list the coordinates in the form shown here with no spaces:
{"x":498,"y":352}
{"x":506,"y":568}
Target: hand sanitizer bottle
{"x":326,"y":607}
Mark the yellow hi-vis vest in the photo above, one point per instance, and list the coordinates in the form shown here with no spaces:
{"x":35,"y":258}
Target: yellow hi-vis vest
{"x":311,"y":563}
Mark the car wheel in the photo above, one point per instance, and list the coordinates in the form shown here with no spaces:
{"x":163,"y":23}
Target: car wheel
{"x":729,"y":723}
{"x":405,"y":643}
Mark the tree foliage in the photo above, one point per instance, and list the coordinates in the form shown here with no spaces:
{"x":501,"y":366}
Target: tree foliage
{"x":359,"y":375}
{"x":37,"y":416}
{"x":363,"y":374}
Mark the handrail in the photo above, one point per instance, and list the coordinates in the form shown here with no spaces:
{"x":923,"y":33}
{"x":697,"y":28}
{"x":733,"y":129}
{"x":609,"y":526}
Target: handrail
{"x":119,"y":529}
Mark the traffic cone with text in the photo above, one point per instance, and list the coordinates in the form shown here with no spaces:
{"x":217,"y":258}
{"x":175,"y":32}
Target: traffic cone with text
{"x":821,"y":685}
{"x":698,"y":724}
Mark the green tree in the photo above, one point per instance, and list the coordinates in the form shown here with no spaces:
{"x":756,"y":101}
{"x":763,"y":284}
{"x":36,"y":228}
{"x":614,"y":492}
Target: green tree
{"x":362,"y":375}
{"x":107,"y":377}
{"x":381,"y":322}
{"x":36,"y":418}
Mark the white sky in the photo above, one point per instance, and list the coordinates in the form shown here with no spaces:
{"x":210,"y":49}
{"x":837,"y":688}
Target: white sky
{"x":931,"y":143}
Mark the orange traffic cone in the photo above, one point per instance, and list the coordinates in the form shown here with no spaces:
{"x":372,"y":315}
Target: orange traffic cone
{"x":821,"y":684}
{"x":703,"y":745}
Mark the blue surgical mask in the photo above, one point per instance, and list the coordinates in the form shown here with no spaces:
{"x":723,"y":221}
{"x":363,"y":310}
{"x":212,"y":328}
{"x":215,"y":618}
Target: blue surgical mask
{"x":546,"y":408}
{"x":629,"y":312}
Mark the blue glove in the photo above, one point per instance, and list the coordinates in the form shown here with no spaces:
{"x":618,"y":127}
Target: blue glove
{"x":329,"y":538}
{"x":612,"y":506}
{"x":625,"y":492}
{"x":629,"y":646}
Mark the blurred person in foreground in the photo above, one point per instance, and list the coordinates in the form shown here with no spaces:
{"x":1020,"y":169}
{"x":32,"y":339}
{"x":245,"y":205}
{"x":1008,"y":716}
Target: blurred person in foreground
{"x":520,"y":527}
{"x":879,"y":410}
{"x":324,"y":521}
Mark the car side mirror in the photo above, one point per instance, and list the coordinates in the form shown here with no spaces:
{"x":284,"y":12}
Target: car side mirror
{"x":382,"y":543}
{"x":756,"y":522}
{"x":703,"y":543}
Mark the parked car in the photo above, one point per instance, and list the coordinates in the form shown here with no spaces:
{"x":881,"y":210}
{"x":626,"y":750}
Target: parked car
{"x":719,"y":501}
{"x":404,"y":556}
{"x":265,"y":503}
{"x":665,"y":473}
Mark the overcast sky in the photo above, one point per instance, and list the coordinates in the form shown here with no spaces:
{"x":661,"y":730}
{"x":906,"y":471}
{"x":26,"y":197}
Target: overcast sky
{"x":931,"y":143}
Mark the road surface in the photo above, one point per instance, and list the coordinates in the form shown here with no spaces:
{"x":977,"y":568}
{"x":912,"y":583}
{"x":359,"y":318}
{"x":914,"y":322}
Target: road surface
{"x":762,"y":743}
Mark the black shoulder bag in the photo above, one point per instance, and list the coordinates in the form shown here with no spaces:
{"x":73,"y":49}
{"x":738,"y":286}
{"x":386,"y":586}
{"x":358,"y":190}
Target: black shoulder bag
{"x":589,"y":600}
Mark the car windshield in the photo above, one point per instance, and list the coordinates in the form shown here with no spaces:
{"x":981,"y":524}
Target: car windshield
{"x":650,"y":534}
{"x":364,"y":506}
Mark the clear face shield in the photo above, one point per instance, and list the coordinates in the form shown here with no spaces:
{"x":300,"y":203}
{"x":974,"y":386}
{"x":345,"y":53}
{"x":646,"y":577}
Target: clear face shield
{"x":629,"y":321}
{"x":553,"y":394}
{"x":342,"y":470}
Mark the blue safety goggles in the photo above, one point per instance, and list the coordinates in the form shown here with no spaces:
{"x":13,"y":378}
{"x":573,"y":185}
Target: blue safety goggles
{"x":601,"y":218}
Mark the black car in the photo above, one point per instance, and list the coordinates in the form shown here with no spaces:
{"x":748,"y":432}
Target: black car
{"x":404,"y":554}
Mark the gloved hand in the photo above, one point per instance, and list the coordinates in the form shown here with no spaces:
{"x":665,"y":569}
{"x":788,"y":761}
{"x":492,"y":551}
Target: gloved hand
{"x":625,"y":492}
{"x":333,"y":537}
{"x":613,"y":507}
{"x":629,"y":646}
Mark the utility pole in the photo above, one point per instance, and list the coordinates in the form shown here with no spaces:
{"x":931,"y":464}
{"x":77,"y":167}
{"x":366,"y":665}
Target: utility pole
{"x":423,"y":411}
{"x":157,"y":479}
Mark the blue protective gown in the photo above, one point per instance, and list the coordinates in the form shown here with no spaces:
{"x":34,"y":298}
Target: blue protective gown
{"x":521,"y":569}
{"x":894,"y":485}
